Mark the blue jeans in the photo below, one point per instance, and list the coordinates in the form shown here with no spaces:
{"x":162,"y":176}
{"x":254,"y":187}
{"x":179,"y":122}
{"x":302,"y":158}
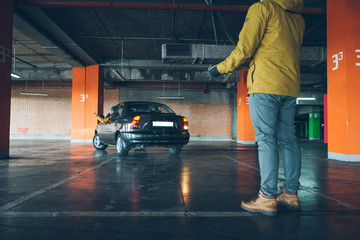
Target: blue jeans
{"x":272,"y":117}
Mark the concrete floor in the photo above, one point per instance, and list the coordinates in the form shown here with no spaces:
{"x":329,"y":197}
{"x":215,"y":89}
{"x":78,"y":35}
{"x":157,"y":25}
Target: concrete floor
{"x":57,"y":190}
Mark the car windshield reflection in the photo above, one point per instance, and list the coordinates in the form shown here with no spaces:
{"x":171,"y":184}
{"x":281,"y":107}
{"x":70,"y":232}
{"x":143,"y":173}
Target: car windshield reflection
{"x":149,"y":108}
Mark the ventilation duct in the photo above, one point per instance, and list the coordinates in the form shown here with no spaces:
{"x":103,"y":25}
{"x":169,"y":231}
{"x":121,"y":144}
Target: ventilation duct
{"x":195,"y":53}
{"x":213,"y":54}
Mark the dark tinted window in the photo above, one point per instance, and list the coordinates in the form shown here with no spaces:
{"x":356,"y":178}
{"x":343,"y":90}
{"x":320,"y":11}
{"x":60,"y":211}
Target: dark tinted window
{"x":120,"y":109}
{"x":149,"y":108}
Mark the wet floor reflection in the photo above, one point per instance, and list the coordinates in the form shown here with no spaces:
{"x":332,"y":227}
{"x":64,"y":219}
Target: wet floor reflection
{"x":185,"y":182}
{"x":81,"y":191}
{"x":213,"y":179}
{"x":207,"y":178}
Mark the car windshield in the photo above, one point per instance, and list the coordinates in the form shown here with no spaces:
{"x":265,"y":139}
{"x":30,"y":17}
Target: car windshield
{"x":149,"y":108}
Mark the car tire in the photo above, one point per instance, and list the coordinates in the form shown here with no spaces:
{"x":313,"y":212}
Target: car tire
{"x":174,"y":150}
{"x":121,"y":148}
{"x":97,"y":143}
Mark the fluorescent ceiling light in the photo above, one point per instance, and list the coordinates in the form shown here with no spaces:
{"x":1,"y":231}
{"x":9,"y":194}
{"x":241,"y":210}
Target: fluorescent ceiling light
{"x":305,"y":99}
{"x":34,"y":94}
{"x":15,"y":75}
{"x":172,"y":97}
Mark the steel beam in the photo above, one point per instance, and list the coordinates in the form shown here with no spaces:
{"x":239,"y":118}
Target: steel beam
{"x":148,"y":6}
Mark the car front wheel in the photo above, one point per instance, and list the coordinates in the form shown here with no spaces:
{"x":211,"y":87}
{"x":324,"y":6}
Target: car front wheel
{"x":121,"y":148}
{"x":97,"y":144}
{"x":174,"y":150}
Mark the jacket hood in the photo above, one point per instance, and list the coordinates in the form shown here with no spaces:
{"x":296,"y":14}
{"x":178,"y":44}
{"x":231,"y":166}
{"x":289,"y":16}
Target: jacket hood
{"x":291,"y":5}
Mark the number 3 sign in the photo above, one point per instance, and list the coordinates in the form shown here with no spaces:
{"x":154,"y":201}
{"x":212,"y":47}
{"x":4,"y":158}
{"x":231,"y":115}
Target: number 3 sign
{"x":83,"y":97}
{"x":4,"y":53}
{"x":340,"y":56}
{"x":337,"y":57}
{"x":357,"y":52}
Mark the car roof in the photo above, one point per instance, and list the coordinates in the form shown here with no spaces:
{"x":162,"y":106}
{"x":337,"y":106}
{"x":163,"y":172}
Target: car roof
{"x":127,"y":102}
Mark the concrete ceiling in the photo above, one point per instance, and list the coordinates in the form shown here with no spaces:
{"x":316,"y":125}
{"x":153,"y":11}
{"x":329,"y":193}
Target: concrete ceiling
{"x":126,"y":37}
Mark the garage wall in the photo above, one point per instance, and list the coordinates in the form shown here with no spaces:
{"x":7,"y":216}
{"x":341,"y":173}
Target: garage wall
{"x":49,"y":117}
{"x":206,"y":121}
{"x":211,"y":116}
{"x":46,"y":117}
{"x":40,"y":115}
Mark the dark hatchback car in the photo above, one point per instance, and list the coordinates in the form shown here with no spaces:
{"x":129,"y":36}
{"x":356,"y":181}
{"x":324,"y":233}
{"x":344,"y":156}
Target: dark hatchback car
{"x":143,"y":124}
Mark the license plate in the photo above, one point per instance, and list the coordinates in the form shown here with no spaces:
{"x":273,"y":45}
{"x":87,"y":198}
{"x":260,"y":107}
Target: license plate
{"x":163,"y":124}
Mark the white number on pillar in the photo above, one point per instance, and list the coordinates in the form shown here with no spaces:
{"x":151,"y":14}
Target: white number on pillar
{"x":336,"y":61}
{"x":357,"y":51}
{"x":83,"y":97}
{"x":247,"y":100}
{"x":341,"y":56}
{"x":4,"y":52}
{"x":337,"y":57}
{"x":239,"y":101}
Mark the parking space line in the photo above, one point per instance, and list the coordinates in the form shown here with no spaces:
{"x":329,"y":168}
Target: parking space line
{"x":27,"y":197}
{"x":340,"y":202}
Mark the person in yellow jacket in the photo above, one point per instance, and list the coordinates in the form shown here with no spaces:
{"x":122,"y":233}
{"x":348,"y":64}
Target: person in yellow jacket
{"x":271,"y":39}
{"x":107,"y":118}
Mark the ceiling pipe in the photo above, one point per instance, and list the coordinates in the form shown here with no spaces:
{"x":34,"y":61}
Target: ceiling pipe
{"x":173,"y":24}
{"x":223,"y":25}
{"x":34,"y":67}
{"x":315,"y":26}
{"x":147,"y":6}
{"x":213,"y":22}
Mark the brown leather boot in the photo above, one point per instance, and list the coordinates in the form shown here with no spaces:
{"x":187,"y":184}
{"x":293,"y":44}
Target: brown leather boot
{"x":261,"y":204}
{"x":289,"y":200}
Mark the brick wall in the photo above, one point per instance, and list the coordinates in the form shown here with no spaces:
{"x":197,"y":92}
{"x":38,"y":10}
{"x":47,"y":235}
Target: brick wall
{"x":50,"y":116}
{"x":206,"y":119}
{"x":111,"y":98}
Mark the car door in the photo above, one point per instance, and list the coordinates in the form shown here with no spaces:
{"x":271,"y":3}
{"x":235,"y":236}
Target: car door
{"x":113,"y":125}
{"x":105,"y":132}
{"x":100,"y":131}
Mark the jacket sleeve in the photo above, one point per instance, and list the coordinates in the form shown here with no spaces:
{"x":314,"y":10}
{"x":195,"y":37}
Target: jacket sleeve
{"x":249,"y":38}
{"x":107,"y":118}
{"x":100,"y":118}
{"x":103,"y":120}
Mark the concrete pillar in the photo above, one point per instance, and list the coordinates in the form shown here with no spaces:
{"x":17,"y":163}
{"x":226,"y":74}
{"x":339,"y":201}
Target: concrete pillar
{"x":343,"y":71}
{"x":87,"y":97}
{"x":314,"y":126}
{"x":245,"y":130}
{"x":6,"y":26}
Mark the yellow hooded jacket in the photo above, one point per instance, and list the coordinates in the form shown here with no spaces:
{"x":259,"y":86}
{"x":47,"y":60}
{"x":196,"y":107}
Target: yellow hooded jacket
{"x":104,"y":119}
{"x":271,"y":38}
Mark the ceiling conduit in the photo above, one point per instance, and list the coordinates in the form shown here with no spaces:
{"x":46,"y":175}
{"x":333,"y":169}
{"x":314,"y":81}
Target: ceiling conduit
{"x":146,"y":6}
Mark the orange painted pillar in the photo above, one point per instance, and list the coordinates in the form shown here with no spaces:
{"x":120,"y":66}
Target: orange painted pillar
{"x":87,"y":97}
{"x":6,"y":26}
{"x":343,"y":70}
{"x":245,"y":130}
